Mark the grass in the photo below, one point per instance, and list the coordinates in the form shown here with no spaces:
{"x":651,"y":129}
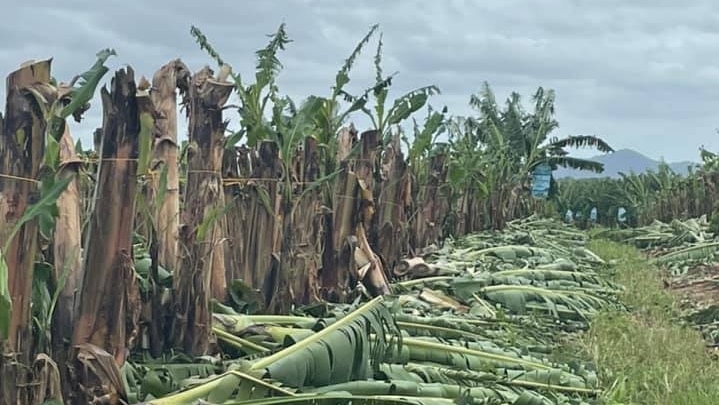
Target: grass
{"x":646,"y":356}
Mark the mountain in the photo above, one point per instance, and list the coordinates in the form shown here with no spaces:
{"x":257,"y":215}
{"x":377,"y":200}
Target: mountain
{"x":623,"y":160}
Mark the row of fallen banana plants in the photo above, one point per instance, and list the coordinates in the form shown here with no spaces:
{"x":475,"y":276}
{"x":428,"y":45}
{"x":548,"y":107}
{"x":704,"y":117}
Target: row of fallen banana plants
{"x":486,"y":325}
{"x":664,"y":235}
{"x":679,"y":247}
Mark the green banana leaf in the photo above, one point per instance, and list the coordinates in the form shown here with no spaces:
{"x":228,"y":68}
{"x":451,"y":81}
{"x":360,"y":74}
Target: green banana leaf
{"x":699,"y":252}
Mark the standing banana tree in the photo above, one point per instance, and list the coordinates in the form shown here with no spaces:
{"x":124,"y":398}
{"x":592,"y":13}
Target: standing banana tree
{"x":426,"y":158}
{"x":402,"y":108}
{"x":468,"y":175}
{"x":389,"y":178}
{"x":277,"y":123}
{"x":522,"y":141}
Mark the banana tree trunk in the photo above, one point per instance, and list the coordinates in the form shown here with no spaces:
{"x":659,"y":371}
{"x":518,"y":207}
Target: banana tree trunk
{"x":235,"y":197}
{"x":394,"y":201}
{"x":21,"y":150}
{"x":198,"y":235}
{"x":109,"y":298}
{"x":166,"y":81}
{"x":335,"y":269}
{"x":372,"y":272}
{"x":163,"y":195}
{"x":250,"y":220}
{"x":433,"y":206}
{"x":67,"y":256}
{"x":302,"y":233}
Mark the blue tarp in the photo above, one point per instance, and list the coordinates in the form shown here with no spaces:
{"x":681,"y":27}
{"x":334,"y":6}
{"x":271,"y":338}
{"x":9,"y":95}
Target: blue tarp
{"x":540,"y":180}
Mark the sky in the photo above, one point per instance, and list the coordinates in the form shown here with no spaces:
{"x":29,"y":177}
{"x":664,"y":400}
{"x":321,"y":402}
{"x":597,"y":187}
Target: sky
{"x":641,"y":74}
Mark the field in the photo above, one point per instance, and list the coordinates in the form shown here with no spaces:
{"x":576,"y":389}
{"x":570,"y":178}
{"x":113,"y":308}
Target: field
{"x":297,"y":260}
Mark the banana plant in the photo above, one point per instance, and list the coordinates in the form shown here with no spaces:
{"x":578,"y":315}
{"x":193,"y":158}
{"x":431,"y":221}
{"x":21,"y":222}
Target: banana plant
{"x":443,"y":338}
{"x":424,"y":142}
{"x":67,"y":100}
{"x":309,"y":362}
{"x":255,"y":98}
{"x":383,"y":118}
{"x":521,"y":141}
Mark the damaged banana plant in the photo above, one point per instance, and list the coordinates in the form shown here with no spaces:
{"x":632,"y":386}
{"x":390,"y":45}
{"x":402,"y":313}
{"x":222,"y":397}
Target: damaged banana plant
{"x":480,"y":320}
{"x":34,"y":136}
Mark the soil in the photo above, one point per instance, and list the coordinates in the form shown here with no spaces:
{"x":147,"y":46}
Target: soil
{"x":699,"y":286}
{"x":698,"y":293}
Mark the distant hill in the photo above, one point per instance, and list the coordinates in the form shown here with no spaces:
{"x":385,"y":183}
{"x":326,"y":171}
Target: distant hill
{"x":623,"y":160}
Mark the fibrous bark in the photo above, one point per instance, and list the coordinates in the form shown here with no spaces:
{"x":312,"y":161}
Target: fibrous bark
{"x":21,"y":150}
{"x":109,"y":299}
{"x":198,"y":233}
{"x":302,"y":231}
{"x":165,"y":82}
{"x":354,"y":211}
{"x":432,"y":206}
{"x":394,"y":200}
{"x":335,"y":272}
{"x":372,"y":273}
{"x":252,"y":197}
{"x":67,"y":254}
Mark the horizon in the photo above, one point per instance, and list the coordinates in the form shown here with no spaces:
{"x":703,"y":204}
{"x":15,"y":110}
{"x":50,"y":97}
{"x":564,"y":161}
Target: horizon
{"x":593,"y":154}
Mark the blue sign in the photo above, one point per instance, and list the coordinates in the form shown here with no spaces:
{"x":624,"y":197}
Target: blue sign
{"x":541,"y":178}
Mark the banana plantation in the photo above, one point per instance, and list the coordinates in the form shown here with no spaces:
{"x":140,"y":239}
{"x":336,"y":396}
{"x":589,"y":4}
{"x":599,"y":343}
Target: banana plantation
{"x":296,"y":260}
{"x":654,"y":195}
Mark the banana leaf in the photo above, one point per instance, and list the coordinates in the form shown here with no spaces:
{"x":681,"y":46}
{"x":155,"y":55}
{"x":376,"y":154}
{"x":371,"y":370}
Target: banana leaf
{"x":349,"y":399}
{"x":339,"y":353}
{"x":699,"y":252}
{"x":231,"y":385}
{"x":495,"y":393}
{"x":5,"y":299}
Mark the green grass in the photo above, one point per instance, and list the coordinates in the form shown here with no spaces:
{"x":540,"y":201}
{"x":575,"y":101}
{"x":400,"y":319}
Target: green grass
{"x":646,"y":356}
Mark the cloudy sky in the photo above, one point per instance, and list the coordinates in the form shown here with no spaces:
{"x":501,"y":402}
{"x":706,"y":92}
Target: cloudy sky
{"x":643,"y":74}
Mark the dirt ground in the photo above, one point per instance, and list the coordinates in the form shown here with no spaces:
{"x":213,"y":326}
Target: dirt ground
{"x":698,"y":293}
{"x":699,"y":286}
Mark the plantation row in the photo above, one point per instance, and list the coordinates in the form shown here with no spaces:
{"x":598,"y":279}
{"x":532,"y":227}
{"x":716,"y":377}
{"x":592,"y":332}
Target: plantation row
{"x":489,"y":318}
{"x":124,"y":249}
{"x":688,"y":253}
{"x":655,"y":195}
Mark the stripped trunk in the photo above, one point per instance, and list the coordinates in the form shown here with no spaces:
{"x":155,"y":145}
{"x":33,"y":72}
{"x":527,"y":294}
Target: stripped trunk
{"x":251,"y":195}
{"x":67,"y":256}
{"x":303,"y":232}
{"x":364,"y":264}
{"x":166,"y":202}
{"x":235,"y":198}
{"x":369,"y":268}
{"x":308,"y":227}
{"x":433,"y":206}
{"x":335,"y":273}
{"x":394,"y":199}
{"x":192,"y":282}
{"x":170,"y":77}
{"x":109,"y":299}
{"x":21,"y":150}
